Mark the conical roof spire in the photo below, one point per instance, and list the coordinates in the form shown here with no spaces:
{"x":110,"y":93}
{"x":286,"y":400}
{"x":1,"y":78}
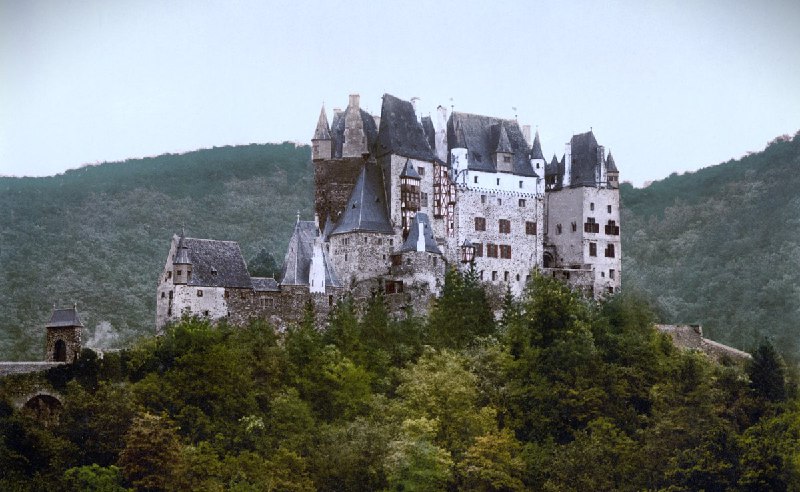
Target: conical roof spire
{"x":366,"y":209}
{"x":409,"y":171}
{"x":503,"y":144}
{"x":323,"y":131}
{"x":611,"y":166}
{"x":536,"y":150}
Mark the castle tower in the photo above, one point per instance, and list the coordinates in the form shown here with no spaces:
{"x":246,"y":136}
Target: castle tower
{"x":355,"y":139}
{"x":322,"y":142}
{"x":181,"y":264}
{"x":63,"y":343}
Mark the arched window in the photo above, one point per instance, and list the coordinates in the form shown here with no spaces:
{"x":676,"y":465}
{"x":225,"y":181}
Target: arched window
{"x":60,"y":351}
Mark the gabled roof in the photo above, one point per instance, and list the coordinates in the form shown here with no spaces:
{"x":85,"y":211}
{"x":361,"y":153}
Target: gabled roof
{"x":611,"y":166}
{"x":536,"y":150}
{"x":503,"y":145}
{"x":216,"y":263}
{"x":409,"y":171}
{"x":410,"y":243}
{"x":480,"y":135}
{"x":585,"y":160}
{"x":264,"y":284}
{"x":64,"y":318}
{"x":400,"y":132}
{"x":366,"y":209}
{"x":297,"y":263}
{"x":323,"y":131}
{"x":337,"y":130}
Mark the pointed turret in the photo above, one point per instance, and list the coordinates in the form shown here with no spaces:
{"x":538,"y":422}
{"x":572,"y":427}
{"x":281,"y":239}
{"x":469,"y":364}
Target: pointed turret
{"x":503,"y":145}
{"x":612,"y":173}
{"x":63,"y":335}
{"x":536,"y":150}
{"x":322,"y":140}
{"x":366,"y":210}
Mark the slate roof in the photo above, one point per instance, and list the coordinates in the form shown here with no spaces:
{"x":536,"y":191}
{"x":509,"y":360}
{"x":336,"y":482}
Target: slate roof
{"x":328,"y":228}
{"x":366,"y":209}
{"x":430,"y":132}
{"x":181,"y":253}
{"x":551,"y":168}
{"x":611,"y":166}
{"x":216,"y":263}
{"x":64,"y":318}
{"x":297,"y":263}
{"x":400,"y":132}
{"x":480,"y":135}
{"x":536,"y":150}
{"x":264,"y":284}
{"x":409,"y":171}
{"x":585,"y":161}
{"x":323,"y":131}
{"x":337,"y":130}
{"x":410,"y":243}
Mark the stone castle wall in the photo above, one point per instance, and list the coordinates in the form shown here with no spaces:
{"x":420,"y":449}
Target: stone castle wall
{"x":333,"y":182}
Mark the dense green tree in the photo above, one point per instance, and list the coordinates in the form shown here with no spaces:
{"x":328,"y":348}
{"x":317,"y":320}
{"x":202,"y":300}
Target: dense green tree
{"x":151,"y":459}
{"x":767,"y":373}
{"x":492,"y":463}
{"x":461,"y":313}
{"x":94,"y":478}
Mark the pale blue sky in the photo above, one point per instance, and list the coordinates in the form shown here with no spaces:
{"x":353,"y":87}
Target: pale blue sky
{"x":667,"y":86}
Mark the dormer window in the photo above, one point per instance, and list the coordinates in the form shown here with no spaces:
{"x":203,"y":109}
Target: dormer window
{"x":213,"y":271}
{"x":507,"y":159}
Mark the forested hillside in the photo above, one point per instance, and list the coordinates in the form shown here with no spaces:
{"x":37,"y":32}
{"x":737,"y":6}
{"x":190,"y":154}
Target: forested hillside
{"x":721,"y":247}
{"x":99,"y":235}
{"x":561,"y":394}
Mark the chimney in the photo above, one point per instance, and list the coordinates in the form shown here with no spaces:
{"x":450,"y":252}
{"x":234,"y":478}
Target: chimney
{"x":526,"y":132}
{"x":355,"y":101}
{"x":416,"y":109}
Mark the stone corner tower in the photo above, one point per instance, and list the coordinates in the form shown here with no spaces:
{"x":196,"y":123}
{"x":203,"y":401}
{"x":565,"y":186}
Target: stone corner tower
{"x":63,"y":343}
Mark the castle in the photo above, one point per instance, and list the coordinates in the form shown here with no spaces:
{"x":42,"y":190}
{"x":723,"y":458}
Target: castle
{"x":398,"y":199}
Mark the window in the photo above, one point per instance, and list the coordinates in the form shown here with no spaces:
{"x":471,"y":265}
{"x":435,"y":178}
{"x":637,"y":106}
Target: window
{"x":521,"y":202}
{"x":530,"y":228}
{"x":592,"y":249}
{"x":610,"y":251}
{"x":602,"y":274}
{"x":610,"y":289}
{"x":494,"y":276}
{"x":475,"y":180}
{"x":421,"y":170}
{"x":345,"y":257}
{"x":558,"y":228}
{"x":179,"y":273}
{"x":520,"y":184}
{"x":609,"y":208}
{"x":481,"y":274}
{"x":365,"y":240}
{"x":498,"y":181}
{"x":205,"y":313}
{"x":483,"y":199}
{"x":491,"y":250}
{"x":591,"y":226}
{"x":213,"y":271}
{"x":478,"y":249}
{"x":391,"y":242}
{"x":591,"y":207}
{"x":199,"y":292}
{"x":505,"y":276}
{"x":169,"y":275}
{"x":504,"y":226}
{"x":423,"y":199}
{"x":480,"y":223}
{"x":499,"y":201}
{"x":505,"y":251}
{"x":574,"y":227}
{"x":611,"y":273}
{"x":612,"y":229}
{"x":163,"y":295}
{"x":518,"y":277}
{"x":243,"y":295}
{"x":507,"y":159}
